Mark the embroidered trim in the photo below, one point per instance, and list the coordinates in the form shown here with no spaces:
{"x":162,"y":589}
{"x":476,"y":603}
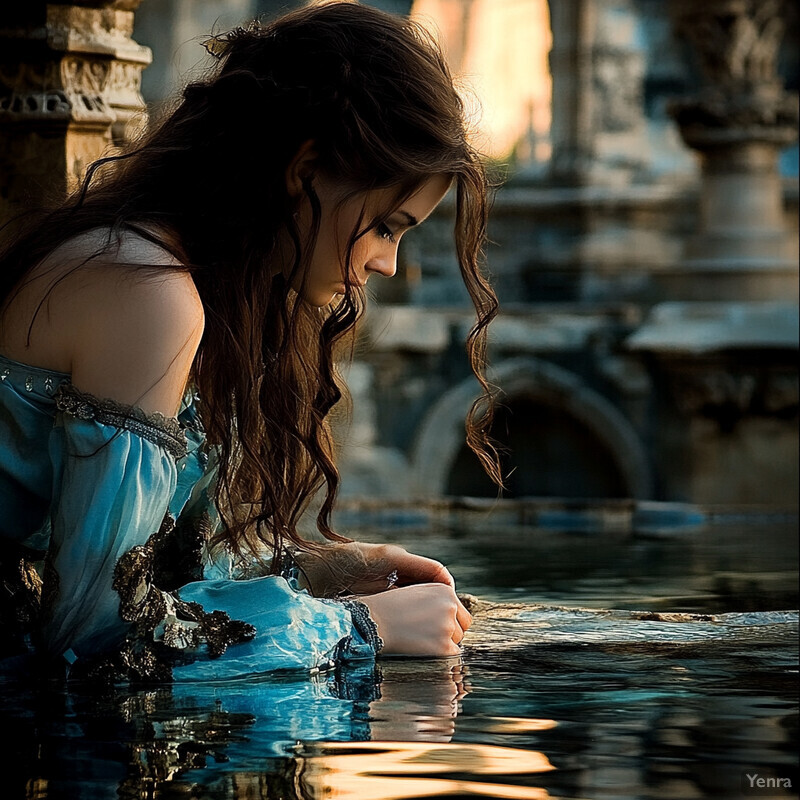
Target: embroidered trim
{"x":178,"y":550}
{"x":290,"y":569}
{"x":163,"y":431}
{"x":20,"y":599}
{"x":166,"y":630}
{"x":363,"y":623}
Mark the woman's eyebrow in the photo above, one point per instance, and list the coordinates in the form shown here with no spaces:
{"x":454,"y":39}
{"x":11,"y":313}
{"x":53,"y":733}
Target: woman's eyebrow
{"x":411,"y":220}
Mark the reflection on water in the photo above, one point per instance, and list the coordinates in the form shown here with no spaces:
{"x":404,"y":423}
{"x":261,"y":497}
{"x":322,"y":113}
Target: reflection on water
{"x":642,"y":698}
{"x":382,"y":770}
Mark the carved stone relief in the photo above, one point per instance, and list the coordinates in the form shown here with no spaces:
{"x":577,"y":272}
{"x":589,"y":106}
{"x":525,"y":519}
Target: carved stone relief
{"x":737,"y":44}
{"x":93,"y":70}
{"x":617,"y":80}
{"x":713,"y":389}
{"x":60,"y":91}
{"x":729,"y":394}
{"x":74,"y":74}
{"x":598,"y":78}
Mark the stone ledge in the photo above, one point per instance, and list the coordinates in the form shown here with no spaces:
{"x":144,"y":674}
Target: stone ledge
{"x":701,"y":327}
{"x":407,"y":328}
{"x":640,"y":519}
{"x":556,"y":514}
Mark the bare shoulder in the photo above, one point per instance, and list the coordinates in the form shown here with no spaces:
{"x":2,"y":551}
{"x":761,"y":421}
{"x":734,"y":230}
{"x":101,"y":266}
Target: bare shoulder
{"x":131,"y":321}
{"x":119,"y":313}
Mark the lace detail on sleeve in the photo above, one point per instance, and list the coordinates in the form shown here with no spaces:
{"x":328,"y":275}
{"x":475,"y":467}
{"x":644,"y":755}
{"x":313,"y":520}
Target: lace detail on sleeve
{"x":167,"y":631}
{"x":20,"y":598}
{"x":156,"y":428}
{"x":363,"y":623}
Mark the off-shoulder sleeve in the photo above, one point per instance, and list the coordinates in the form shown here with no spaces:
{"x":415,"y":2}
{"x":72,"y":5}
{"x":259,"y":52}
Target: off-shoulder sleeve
{"x":114,"y":473}
{"x":116,"y":603}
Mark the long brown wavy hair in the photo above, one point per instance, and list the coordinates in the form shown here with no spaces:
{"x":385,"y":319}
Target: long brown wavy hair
{"x":374,"y":94}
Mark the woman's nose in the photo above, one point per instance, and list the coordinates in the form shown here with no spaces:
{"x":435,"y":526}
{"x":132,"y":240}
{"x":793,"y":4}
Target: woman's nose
{"x":385,"y":265}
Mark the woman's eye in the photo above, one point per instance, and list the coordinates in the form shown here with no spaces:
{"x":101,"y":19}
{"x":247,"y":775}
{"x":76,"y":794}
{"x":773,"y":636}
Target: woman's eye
{"x":383,"y":231}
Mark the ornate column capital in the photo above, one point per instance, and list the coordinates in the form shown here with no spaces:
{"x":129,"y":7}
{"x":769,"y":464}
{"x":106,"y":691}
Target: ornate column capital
{"x":743,"y":99}
{"x":738,"y":121}
{"x":70,"y":77}
{"x":73,"y":64}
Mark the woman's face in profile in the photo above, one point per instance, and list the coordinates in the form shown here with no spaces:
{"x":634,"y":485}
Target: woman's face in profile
{"x":374,"y":252}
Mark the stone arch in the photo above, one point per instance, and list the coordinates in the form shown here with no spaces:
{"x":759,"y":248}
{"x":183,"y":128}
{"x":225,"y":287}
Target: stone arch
{"x":440,"y":436}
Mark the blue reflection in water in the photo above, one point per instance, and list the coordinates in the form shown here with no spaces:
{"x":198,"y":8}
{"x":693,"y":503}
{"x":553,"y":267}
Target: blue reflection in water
{"x":680,"y":690}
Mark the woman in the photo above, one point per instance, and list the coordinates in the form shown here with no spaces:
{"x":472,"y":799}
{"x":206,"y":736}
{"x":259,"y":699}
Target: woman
{"x":168,"y":341}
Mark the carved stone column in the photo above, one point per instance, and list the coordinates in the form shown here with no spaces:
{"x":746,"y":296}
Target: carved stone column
{"x":69,"y":94}
{"x":598,"y":126}
{"x":738,"y":122}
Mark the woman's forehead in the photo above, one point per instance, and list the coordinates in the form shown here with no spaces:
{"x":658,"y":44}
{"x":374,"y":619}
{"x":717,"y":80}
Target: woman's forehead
{"x":416,"y":203}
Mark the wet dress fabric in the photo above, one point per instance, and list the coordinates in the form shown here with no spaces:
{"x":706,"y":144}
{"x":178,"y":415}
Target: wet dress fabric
{"x":104,"y":520}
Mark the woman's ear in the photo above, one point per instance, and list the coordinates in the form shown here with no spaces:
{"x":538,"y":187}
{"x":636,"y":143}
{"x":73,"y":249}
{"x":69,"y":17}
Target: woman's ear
{"x":301,"y":168}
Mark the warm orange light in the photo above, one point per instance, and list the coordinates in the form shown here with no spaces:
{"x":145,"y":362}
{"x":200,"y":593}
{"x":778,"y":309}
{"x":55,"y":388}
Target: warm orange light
{"x":499,"y":49}
{"x":518,"y":724}
{"x":399,"y":770}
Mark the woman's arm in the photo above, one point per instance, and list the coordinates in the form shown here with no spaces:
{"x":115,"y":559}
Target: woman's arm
{"x":411,"y":598}
{"x":130,"y":335}
{"x":366,"y":568}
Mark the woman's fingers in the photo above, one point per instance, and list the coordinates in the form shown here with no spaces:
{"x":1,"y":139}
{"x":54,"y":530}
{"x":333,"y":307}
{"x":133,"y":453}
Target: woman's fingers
{"x":463,"y":617}
{"x":419,"y":620}
{"x":441,"y":574}
{"x":412,"y":568}
{"x":453,"y":650}
{"x":458,"y":634}
{"x":363,"y":568}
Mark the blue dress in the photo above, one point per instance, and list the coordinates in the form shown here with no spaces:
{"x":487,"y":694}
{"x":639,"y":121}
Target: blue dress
{"x":104,"y":569}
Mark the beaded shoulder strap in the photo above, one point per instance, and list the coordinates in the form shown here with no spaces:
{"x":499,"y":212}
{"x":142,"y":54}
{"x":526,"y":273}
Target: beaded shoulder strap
{"x":156,"y":428}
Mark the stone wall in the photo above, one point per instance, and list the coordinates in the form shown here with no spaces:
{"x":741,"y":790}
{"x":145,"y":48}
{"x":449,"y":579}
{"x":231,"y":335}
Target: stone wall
{"x":629,"y":364}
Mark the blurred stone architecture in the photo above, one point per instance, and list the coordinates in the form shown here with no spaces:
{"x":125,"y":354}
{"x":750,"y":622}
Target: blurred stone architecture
{"x":645,"y":254}
{"x":644,"y":244}
{"x":70,"y":78}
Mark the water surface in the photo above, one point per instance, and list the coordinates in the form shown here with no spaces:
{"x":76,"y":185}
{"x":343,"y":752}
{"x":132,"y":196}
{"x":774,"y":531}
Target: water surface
{"x":600,"y":665}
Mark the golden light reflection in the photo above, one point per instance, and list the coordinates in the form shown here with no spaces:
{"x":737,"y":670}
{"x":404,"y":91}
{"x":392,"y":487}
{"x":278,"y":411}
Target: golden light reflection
{"x":500,"y":49}
{"x":398,"y":770}
{"x":518,"y":725}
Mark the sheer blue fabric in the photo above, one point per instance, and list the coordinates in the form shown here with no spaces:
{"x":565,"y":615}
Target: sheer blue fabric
{"x":84,"y":487}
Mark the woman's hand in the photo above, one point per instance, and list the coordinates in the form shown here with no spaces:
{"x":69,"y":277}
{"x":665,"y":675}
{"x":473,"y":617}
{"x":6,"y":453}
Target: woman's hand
{"x":362,"y":568}
{"x":426,"y":619}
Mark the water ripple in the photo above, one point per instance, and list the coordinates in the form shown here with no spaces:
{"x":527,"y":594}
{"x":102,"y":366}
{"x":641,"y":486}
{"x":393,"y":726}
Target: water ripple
{"x":499,"y":625}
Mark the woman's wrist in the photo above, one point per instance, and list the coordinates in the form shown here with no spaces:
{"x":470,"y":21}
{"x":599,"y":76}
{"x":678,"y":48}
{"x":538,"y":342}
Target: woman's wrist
{"x":363,"y":622}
